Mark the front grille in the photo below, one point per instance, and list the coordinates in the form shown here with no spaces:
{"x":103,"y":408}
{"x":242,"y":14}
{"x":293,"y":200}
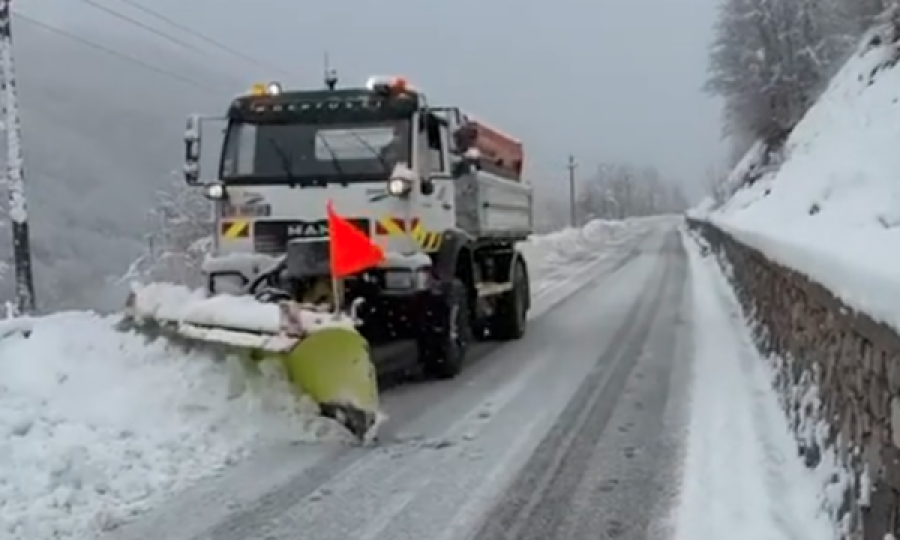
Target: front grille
{"x":270,"y":237}
{"x":268,"y":244}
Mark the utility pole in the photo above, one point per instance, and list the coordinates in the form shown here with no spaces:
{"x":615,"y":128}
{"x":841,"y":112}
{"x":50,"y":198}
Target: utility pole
{"x":14,"y":179}
{"x":572,"y":165}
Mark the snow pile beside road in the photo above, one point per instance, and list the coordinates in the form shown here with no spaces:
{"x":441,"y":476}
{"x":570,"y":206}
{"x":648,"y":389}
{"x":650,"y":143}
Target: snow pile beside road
{"x":742,"y":477}
{"x":99,"y":425}
{"x":547,"y":252}
{"x":832,"y":210}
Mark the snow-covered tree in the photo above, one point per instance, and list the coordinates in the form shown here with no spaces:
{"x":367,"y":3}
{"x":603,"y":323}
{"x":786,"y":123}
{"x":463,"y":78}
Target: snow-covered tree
{"x":180,"y":236}
{"x":770,"y":59}
{"x":621,"y":190}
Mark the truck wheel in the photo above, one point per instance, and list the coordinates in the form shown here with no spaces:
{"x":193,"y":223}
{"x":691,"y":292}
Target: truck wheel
{"x":511,"y":317}
{"x":445,"y":337}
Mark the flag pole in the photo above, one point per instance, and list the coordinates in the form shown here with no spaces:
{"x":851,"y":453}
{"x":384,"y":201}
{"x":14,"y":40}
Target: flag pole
{"x":337,"y":294}
{"x":351,"y":251}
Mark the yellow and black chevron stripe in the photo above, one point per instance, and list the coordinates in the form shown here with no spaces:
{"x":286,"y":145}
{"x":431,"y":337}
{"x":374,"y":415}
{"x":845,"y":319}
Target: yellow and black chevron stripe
{"x":429,"y":241}
{"x":235,"y":229}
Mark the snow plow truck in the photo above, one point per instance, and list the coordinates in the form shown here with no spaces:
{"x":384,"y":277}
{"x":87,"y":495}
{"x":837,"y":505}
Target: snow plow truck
{"x":441,"y":193}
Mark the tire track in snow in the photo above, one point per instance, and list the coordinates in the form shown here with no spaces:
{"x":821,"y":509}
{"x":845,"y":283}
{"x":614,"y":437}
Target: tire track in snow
{"x":538,"y":503}
{"x":442,"y":491}
{"x":628,"y":484}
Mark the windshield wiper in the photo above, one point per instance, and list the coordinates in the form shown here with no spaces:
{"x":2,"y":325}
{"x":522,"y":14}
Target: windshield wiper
{"x":335,"y":161}
{"x":375,"y":151}
{"x":287,"y":163}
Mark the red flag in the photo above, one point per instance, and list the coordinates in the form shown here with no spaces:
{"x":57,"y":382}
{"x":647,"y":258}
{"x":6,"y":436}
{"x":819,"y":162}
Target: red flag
{"x":351,"y":249}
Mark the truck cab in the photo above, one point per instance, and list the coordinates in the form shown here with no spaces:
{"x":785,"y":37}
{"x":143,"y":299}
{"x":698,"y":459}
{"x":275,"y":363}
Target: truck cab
{"x":441,"y":193}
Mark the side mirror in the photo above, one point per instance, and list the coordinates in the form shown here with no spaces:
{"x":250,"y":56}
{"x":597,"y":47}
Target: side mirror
{"x":464,"y":138}
{"x":192,"y":151}
{"x":427,"y":186}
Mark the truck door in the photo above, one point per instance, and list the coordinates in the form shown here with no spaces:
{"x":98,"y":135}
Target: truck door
{"x":436,"y":135}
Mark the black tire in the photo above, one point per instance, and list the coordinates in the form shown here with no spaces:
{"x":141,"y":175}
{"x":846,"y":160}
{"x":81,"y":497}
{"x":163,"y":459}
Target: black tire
{"x":511,"y":317}
{"x":446,"y":334}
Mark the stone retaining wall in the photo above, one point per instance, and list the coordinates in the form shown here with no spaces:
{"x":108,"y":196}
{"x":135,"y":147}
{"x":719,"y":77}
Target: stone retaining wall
{"x":839,"y":379}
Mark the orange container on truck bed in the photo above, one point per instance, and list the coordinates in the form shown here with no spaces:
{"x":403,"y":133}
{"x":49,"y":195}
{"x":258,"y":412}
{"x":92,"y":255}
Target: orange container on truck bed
{"x":501,"y":154}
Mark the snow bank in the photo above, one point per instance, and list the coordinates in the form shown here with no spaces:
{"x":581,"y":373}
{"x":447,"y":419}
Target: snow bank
{"x":742,"y":477}
{"x":547,"y":251}
{"x":703,"y":209}
{"x":97,"y":425}
{"x":832,"y":210}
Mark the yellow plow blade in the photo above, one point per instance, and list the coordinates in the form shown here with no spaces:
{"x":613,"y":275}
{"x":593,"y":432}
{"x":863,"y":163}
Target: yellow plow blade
{"x":334,"y":368}
{"x":329,"y":363}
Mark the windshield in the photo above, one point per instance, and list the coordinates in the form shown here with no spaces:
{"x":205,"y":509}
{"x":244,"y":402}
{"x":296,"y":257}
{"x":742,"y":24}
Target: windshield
{"x":296,"y":152}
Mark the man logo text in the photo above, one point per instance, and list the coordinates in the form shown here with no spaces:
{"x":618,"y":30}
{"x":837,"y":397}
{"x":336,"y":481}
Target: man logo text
{"x":308,"y":230}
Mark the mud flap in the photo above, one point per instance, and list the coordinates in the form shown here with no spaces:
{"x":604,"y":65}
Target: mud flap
{"x":334,"y":368}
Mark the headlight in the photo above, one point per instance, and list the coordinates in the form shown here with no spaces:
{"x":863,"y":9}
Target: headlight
{"x":215,"y":192}
{"x":398,"y":187}
{"x":273,"y":89}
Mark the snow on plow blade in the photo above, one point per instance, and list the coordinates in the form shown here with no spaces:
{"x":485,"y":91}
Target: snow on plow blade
{"x":322,"y":353}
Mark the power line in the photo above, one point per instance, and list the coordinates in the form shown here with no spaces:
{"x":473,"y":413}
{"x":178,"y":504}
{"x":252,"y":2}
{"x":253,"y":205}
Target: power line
{"x":202,"y":37}
{"x":571,"y":165}
{"x":112,"y":52}
{"x":139,"y":24}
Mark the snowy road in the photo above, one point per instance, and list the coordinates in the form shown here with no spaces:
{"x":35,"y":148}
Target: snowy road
{"x":601,"y":470}
{"x":635,"y":407}
{"x":594,"y":368}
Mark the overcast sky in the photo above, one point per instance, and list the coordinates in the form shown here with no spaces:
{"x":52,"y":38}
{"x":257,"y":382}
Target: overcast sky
{"x":603,"y":79}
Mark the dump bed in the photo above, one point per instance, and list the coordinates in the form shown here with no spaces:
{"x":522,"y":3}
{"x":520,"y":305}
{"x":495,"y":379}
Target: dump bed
{"x":497,"y":201}
{"x":501,"y":154}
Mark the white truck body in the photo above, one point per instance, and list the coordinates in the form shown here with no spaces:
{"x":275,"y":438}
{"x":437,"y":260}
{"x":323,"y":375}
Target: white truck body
{"x":487,"y":205}
{"x":480,"y":204}
{"x":444,"y":196}
{"x":262,"y":215}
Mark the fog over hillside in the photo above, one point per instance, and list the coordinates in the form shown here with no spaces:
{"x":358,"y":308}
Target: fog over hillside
{"x":102,"y":136}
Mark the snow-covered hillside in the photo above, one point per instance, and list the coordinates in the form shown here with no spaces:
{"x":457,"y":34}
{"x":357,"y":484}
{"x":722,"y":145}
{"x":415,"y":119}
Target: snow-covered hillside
{"x":101,"y":137}
{"x":99,"y":425}
{"x":832,"y":210}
